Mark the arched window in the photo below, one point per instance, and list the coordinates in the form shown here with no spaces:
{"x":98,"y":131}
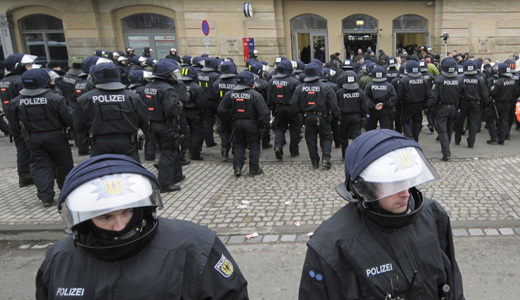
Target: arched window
{"x":410,"y":33}
{"x":306,"y":22}
{"x":360,"y":32}
{"x":309,"y":38}
{"x":43,"y":36}
{"x":150,"y":30}
{"x":360,"y":22}
{"x":410,"y":23}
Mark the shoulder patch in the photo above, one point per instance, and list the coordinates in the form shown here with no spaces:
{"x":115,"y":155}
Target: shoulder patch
{"x":224,"y":267}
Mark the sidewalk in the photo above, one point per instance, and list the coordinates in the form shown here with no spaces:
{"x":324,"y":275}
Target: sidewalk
{"x":478,"y":188}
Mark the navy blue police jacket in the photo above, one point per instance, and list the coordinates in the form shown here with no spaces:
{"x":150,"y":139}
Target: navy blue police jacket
{"x":350,"y":257}
{"x":183,"y":261}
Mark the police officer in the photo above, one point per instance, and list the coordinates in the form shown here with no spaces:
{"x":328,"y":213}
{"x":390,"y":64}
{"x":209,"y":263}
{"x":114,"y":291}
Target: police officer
{"x":474,"y":93}
{"x":129,"y":53}
{"x":173,"y":55}
{"x":137,"y":83}
{"x":207,"y":76}
{"x":42,"y":116}
{"x":10,"y":86}
{"x":397,"y":112}
{"x":425,"y":68}
{"x":109,"y":205}
{"x":111,"y":114}
{"x":74,"y":84}
{"x":249,"y":114}
{"x":261,"y":85}
{"x":367,"y":68}
{"x":446,"y":94}
{"x":185,"y":61}
{"x":354,"y":107}
{"x":193,"y":108}
{"x":165,"y":110}
{"x":413,"y":93}
{"x":147,"y":52}
{"x":392,"y":70}
{"x":503,"y":93}
{"x":389,"y":241}
{"x":382,"y":97}
{"x":279,"y":94}
{"x":317,"y":102}
{"x":225,"y":83}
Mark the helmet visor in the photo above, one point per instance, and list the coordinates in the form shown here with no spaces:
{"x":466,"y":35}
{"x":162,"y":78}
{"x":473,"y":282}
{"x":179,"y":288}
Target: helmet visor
{"x":394,"y":172}
{"x":107,"y":194}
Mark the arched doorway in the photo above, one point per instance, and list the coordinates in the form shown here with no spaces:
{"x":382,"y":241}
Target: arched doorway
{"x":360,"y":32}
{"x":149,"y":30}
{"x":42,"y":35}
{"x":410,"y":32}
{"x":309,"y":38}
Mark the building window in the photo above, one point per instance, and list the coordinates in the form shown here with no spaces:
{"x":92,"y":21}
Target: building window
{"x":410,"y":22}
{"x":42,"y":35}
{"x":150,"y":30}
{"x":360,"y":34}
{"x":306,"y":22}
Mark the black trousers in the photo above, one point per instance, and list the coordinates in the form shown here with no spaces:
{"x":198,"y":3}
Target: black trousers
{"x":445,"y":118}
{"x":317,"y":125}
{"x":286,"y":119}
{"x":382,"y":116}
{"x":498,"y":114}
{"x":411,"y":120}
{"x":170,"y":169}
{"x":470,"y":110}
{"x":194,"y":119}
{"x":51,"y":158}
{"x":210,"y":117}
{"x":349,"y":126}
{"x":115,"y":144}
{"x":246,"y":135}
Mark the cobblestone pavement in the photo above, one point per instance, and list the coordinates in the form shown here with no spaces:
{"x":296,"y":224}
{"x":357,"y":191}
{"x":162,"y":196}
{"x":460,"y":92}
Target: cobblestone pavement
{"x":479,"y":190}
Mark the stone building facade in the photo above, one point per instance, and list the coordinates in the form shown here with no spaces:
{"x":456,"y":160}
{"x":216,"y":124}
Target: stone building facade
{"x":60,"y":29}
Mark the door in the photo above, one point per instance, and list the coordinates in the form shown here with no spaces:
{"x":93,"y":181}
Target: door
{"x":308,"y":46}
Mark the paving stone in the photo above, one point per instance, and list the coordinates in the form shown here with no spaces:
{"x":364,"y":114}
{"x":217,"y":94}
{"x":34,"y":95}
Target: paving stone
{"x":302,"y":238}
{"x":506,"y":231}
{"x":476,"y":232}
{"x":288,"y":238}
{"x":270,"y":238}
{"x":491,"y":231}
{"x":460,"y":232}
{"x":238,"y":239}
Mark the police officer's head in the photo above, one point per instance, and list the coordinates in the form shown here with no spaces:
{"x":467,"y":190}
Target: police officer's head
{"x":106,"y":76}
{"x":87,"y":63}
{"x":312,"y":72}
{"x":327,"y":74}
{"x":504,"y":70}
{"x":165,"y":69}
{"x":392,"y":62}
{"x":210,"y":64}
{"x":130,"y":50}
{"x":470,"y":67}
{"x":413,"y":69}
{"x":512,"y":65}
{"x":228,"y":69}
{"x":17,"y":63}
{"x":109,"y":204}
{"x":380,"y":166}
{"x":423,"y":66}
{"x":147,"y":51}
{"x":245,"y":80}
{"x":135,"y":77}
{"x":449,"y":67}
{"x":257,"y":68}
{"x":35,"y":82}
{"x":284,"y":67}
{"x":347,"y":65}
{"x":300,"y":67}
{"x":379,"y":74}
{"x":189,"y":73}
{"x":173,"y":51}
{"x":75,"y":62}
{"x":185,"y":61}
{"x":348,"y":80}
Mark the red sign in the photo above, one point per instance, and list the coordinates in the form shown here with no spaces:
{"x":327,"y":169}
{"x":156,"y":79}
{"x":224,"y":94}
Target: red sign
{"x":205,"y":27}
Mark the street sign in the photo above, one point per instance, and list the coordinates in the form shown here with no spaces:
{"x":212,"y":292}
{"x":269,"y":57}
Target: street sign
{"x":206,"y":40}
{"x":205,"y":27}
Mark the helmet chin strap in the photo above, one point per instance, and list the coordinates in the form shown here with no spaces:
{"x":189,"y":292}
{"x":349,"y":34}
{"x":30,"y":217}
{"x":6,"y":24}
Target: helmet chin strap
{"x":394,"y":221}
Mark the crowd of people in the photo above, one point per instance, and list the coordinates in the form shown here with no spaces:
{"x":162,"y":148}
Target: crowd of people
{"x":114,"y":105}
